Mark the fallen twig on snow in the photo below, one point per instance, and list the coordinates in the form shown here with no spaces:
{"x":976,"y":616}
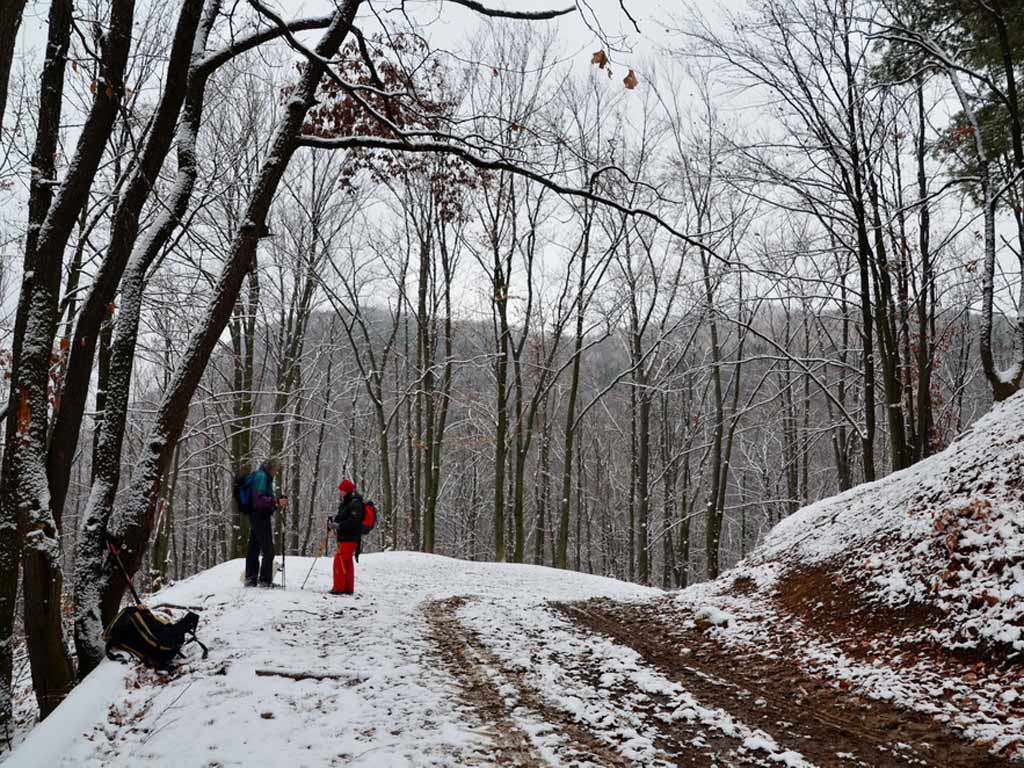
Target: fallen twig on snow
{"x":305,"y":675}
{"x":178,"y":607}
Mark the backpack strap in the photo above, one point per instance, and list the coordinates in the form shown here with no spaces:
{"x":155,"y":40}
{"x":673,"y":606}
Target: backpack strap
{"x":197,"y":641}
{"x":191,"y":621}
{"x":116,"y":656}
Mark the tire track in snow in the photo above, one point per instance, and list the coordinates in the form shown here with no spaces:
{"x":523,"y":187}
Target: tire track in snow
{"x":512,"y":745}
{"x":684,"y":739}
{"x":684,"y":731}
{"x":650,"y":719}
{"x":499,"y":692}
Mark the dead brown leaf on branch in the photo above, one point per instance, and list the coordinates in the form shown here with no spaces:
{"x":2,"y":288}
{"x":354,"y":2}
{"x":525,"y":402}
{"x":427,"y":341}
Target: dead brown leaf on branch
{"x":600,"y":58}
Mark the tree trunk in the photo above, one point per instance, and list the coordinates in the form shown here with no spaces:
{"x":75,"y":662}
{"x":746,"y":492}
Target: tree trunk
{"x":561,"y":555}
{"x":926,"y":293}
{"x":52,"y":669}
{"x":40,"y":196}
{"x":643,"y":485}
{"x":543,"y":495}
{"x":165,"y":527}
{"x":132,"y":521}
{"x":864,"y":258}
{"x":713,"y":518}
{"x":501,"y":433}
{"x":125,"y":230}
{"x":10,"y":21}
{"x":90,"y":560}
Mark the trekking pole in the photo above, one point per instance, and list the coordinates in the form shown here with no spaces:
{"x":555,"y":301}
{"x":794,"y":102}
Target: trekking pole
{"x":124,"y":571}
{"x":323,"y":553}
{"x":284,"y":545}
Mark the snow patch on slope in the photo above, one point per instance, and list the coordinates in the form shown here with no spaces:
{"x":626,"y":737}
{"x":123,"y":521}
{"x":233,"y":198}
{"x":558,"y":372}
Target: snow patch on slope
{"x":936,"y":551}
{"x":947,"y":533}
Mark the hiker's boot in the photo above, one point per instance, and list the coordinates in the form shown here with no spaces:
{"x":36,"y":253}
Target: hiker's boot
{"x":250,"y":582}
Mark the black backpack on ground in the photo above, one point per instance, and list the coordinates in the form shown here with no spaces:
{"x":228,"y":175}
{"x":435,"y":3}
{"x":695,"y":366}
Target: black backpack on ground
{"x":152,"y":639}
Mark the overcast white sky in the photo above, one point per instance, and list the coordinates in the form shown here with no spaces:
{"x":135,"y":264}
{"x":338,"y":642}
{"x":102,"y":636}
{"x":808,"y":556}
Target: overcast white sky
{"x":450,"y":26}
{"x":449,"y":23}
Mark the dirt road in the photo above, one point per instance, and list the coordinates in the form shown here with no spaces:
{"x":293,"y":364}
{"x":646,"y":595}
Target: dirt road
{"x":601,"y":683}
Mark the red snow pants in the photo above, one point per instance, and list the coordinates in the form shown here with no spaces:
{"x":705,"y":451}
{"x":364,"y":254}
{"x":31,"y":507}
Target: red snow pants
{"x":345,"y":568}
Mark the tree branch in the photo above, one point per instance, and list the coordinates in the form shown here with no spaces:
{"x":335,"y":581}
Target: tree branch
{"x":225,"y":54}
{"x":499,"y":13}
{"x":400,"y":145}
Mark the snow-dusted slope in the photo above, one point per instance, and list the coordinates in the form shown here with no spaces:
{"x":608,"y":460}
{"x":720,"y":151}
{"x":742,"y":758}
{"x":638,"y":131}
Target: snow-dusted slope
{"x":384,"y":699}
{"x":909,"y":589}
{"x":946,"y":535}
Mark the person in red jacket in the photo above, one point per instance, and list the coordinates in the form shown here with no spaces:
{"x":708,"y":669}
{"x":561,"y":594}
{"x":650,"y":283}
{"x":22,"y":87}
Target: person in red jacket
{"x":349,"y":525}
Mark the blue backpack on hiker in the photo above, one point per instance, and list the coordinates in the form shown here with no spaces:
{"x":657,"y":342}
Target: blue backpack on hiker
{"x":243,"y":492}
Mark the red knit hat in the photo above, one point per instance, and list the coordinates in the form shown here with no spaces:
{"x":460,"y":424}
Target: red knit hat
{"x":346,"y":486}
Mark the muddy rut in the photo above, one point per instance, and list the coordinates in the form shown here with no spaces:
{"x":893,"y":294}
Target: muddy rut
{"x":827,"y":726}
{"x":830,"y":727}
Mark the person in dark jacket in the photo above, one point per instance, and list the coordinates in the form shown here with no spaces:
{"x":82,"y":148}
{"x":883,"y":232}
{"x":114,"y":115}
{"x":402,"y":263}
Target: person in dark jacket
{"x":261,"y":529}
{"x":349,"y":525}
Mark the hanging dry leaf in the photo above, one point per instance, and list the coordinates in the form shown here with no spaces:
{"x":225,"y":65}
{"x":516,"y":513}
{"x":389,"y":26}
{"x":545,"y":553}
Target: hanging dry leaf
{"x":630,"y":80}
{"x":64,"y":343}
{"x":600,"y":58}
{"x":92,"y":87}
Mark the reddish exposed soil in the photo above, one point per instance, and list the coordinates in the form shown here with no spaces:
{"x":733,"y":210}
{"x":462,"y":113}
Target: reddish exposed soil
{"x":822,"y":598}
{"x":829,"y":726}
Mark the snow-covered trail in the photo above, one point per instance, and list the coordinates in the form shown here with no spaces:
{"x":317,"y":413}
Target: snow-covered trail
{"x":435,"y":662}
{"x":387,"y":701}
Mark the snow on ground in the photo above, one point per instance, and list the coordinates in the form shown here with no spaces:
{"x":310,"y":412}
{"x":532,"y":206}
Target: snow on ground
{"x":388,"y":702}
{"x":435,"y":662}
{"x":947,"y":533}
{"x":920,"y":592}
{"x":439,"y":662}
{"x":983,"y":706}
{"x":549,"y":651}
